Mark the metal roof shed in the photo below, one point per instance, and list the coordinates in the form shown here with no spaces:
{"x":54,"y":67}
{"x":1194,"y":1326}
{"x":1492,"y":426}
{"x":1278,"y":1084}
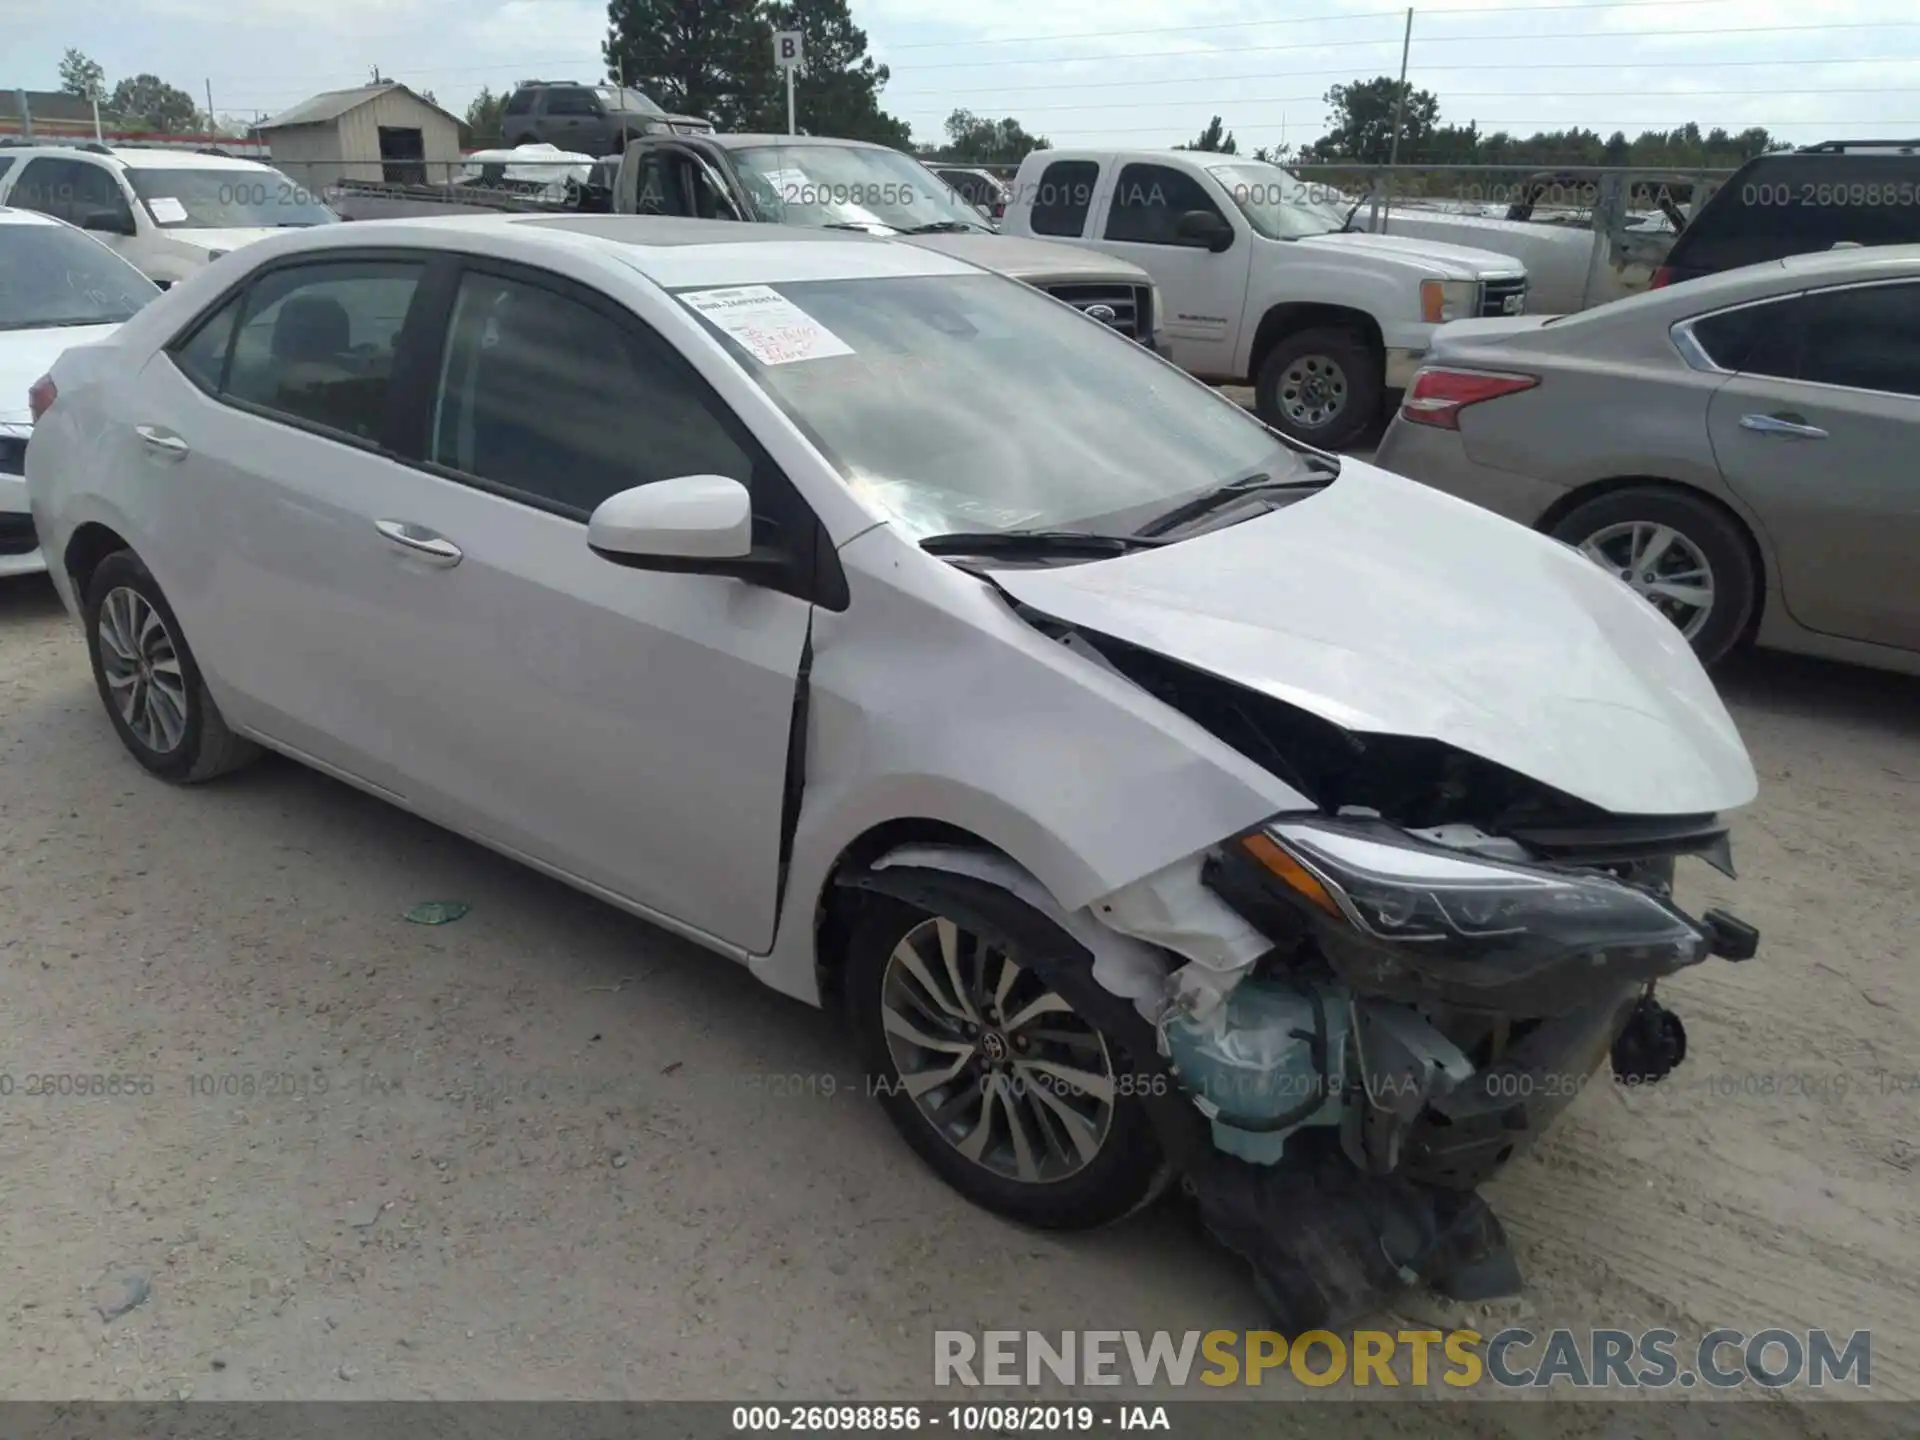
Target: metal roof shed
{"x":372,"y":132}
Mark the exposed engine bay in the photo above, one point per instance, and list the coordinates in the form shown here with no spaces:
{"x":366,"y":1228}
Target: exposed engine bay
{"x":1373,"y":1005}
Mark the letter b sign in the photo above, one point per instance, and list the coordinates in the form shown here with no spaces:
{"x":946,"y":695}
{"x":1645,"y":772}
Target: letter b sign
{"x":786,"y":49}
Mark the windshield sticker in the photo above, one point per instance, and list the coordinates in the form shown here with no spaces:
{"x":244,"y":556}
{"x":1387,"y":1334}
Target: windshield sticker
{"x":167,"y":210}
{"x":770,"y":327}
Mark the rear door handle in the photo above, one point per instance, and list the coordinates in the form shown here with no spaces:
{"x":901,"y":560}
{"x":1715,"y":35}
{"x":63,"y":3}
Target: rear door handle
{"x":1791,"y":425}
{"x":435,"y":549}
{"x":163,"y":442}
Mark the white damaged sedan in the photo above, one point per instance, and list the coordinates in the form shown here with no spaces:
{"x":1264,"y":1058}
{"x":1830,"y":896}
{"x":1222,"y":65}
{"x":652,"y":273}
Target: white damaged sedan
{"x":1156,"y":797}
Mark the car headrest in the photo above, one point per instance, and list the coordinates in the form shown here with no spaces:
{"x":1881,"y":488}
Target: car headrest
{"x":311,"y":328}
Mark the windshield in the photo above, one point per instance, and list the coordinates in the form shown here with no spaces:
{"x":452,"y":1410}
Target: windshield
{"x":632,"y":102}
{"x":849,"y":185}
{"x":50,"y":275}
{"x":1277,"y":203}
{"x":972,"y":403}
{"x":227,"y":199}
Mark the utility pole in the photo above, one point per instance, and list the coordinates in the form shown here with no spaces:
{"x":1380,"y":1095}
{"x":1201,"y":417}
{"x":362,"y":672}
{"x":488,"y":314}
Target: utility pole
{"x":1399,"y":116}
{"x":212,"y":125}
{"x":93,"y":94}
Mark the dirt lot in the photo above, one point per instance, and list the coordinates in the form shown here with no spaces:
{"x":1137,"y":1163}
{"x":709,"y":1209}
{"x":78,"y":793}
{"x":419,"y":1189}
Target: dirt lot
{"x":541,"y":1164}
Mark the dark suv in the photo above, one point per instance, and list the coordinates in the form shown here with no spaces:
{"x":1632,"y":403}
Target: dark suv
{"x":589,"y":119}
{"x":1794,"y":202}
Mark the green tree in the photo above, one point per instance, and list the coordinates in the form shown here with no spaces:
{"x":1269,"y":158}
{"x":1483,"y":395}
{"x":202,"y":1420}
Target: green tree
{"x":149,"y":102}
{"x":1216,"y":137}
{"x":1362,"y":121}
{"x":980,"y":141}
{"x":697,"y":57}
{"x":837,"y":91}
{"x":82,"y":75}
{"x":483,"y":118}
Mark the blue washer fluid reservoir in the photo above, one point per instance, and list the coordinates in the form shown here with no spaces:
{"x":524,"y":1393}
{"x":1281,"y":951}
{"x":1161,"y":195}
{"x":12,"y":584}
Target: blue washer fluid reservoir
{"x":1252,"y":1061}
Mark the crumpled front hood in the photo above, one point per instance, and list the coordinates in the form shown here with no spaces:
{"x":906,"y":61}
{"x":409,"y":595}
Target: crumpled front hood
{"x":1447,"y":261}
{"x":26,"y":355}
{"x":1032,"y":260}
{"x":1387,"y":607}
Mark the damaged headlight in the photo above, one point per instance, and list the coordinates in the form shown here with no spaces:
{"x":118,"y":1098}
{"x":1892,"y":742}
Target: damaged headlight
{"x":1403,"y":917}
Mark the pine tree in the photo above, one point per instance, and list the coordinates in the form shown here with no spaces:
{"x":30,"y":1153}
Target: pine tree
{"x":712,"y":58}
{"x":838,"y":91}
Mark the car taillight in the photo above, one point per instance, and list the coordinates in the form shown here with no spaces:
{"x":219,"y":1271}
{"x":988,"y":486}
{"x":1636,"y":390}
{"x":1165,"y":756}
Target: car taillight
{"x":1661,"y":277}
{"x":40,"y":397}
{"x":1437,"y":396}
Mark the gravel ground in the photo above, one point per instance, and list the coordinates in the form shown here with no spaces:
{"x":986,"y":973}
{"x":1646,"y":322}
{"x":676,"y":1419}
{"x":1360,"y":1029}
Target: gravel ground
{"x":545,"y":1162}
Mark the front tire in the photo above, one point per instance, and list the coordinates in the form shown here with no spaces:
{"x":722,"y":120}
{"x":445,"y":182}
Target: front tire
{"x":994,"y":1079}
{"x":149,"y":681}
{"x":1323,"y":387}
{"x":1681,"y":554}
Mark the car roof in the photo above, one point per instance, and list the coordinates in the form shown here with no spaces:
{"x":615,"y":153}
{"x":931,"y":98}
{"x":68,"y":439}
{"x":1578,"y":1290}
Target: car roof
{"x":793,"y":142}
{"x":672,"y":252}
{"x":134,"y":157}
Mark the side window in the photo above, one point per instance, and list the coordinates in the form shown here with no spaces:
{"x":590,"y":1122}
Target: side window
{"x":317,"y":342}
{"x":1148,"y":201}
{"x":662,"y":185}
{"x":519,"y":103}
{"x":572,"y":102}
{"x":541,"y":395}
{"x":1866,"y":338}
{"x":6,"y":164}
{"x":49,"y":186}
{"x":202,"y":356}
{"x":1753,"y":338}
{"x":1063,"y":197}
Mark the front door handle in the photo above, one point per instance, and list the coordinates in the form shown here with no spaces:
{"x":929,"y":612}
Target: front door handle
{"x":1793,"y":425}
{"x":433,"y":548}
{"x":162,"y":442}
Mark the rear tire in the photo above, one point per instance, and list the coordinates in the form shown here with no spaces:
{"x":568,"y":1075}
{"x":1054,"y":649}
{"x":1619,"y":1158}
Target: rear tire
{"x":1619,"y":531}
{"x":1087,"y":1163}
{"x":1323,"y":387}
{"x":149,"y":681}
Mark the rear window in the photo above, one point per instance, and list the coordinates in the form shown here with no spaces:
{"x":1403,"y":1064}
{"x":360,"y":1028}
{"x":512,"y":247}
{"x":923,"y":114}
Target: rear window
{"x":1784,"y":205}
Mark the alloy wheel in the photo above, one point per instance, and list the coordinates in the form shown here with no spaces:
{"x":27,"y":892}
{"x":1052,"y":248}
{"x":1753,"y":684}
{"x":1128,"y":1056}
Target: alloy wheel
{"x":142,"y":667}
{"x":998,"y":1064}
{"x":1313,"y":390}
{"x":1662,"y":565}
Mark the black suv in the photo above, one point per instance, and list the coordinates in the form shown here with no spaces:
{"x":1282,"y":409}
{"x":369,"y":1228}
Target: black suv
{"x":594,"y":119}
{"x":1794,"y":202}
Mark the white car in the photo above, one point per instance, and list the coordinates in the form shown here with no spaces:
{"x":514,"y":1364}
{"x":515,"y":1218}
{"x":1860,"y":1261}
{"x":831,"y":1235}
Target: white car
{"x":167,"y":211}
{"x":58,"y":287}
{"x":1155,"y":796}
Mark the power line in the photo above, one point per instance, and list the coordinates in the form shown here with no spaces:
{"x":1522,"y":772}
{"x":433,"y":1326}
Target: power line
{"x":1236,"y":101}
{"x":1743,"y":30}
{"x":1505,"y":65}
{"x":1734,"y":126}
{"x":1420,"y":13}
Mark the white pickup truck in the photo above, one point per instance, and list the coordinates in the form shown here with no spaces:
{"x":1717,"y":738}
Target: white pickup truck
{"x":1261,"y":278}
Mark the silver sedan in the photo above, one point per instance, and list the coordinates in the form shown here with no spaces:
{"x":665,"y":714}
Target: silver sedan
{"x":1738,"y":449}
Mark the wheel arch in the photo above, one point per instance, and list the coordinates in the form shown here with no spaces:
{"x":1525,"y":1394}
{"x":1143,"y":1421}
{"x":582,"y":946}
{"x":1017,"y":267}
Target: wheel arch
{"x":1292,"y":317}
{"x":91,"y":542}
{"x":1763,"y":568}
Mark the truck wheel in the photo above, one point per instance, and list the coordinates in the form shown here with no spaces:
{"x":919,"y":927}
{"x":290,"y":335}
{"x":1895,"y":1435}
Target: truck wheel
{"x":1320,"y":386}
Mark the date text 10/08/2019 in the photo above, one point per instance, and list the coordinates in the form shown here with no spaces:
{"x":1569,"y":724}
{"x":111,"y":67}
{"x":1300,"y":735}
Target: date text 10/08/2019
{"x":954,"y":1419}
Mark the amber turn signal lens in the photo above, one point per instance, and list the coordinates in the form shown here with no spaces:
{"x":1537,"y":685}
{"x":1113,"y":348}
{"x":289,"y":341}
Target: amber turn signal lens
{"x":1291,"y":872}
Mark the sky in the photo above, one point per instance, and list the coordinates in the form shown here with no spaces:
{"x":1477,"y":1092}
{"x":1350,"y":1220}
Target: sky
{"x":1134,"y":73}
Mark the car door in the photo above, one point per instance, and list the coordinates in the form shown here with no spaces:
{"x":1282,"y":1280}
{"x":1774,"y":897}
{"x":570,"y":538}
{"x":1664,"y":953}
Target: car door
{"x":265,"y":432}
{"x":573,"y":119}
{"x":1817,"y":433}
{"x":1201,"y":292}
{"x":627,"y":728}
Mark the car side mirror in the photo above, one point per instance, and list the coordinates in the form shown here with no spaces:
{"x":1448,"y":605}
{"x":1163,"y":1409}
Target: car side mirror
{"x":690,"y":525}
{"x":1204,"y":229}
{"x":109,"y":222}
